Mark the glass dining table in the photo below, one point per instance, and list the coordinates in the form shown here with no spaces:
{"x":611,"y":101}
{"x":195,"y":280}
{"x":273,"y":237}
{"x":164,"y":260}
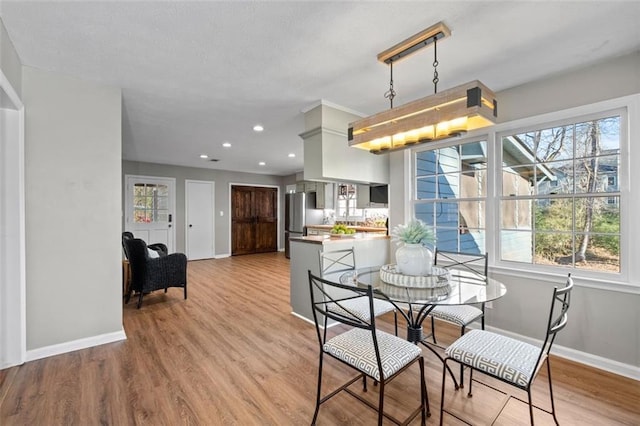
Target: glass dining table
{"x":414,"y":303}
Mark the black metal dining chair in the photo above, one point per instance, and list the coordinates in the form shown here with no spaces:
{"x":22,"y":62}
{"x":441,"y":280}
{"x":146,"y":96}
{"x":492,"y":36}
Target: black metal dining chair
{"x":461,"y":315}
{"x":510,"y":360}
{"x":372,"y":353}
{"x":334,"y":262}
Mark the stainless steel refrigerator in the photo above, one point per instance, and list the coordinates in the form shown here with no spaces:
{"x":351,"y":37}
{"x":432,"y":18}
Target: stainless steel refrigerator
{"x":299,"y":211}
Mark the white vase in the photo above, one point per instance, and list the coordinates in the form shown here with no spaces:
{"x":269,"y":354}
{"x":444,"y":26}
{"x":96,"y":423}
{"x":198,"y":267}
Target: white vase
{"x":414,"y":259}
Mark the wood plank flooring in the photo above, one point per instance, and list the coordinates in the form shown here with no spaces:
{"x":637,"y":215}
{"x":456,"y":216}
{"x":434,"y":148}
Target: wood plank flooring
{"x":232,"y":354}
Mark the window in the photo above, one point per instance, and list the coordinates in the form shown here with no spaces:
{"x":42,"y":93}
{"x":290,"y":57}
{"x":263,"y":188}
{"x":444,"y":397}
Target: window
{"x":451,"y":190}
{"x":150,"y":203}
{"x":559,"y":200}
{"x":347,"y":202}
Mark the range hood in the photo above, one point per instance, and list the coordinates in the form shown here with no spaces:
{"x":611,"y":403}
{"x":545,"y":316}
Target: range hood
{"x":327,"y":155}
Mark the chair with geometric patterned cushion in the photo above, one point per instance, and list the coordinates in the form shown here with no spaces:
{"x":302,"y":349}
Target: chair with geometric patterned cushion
{"x":511,"y":360}
{"x":335,"y":262}
{"x":371,"y":352}
{"x":461,"y":315}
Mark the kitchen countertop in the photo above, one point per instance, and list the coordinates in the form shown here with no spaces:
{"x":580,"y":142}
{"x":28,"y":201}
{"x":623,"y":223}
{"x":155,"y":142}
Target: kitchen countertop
{"x":357,"y":228}
{"x":326,"y":239}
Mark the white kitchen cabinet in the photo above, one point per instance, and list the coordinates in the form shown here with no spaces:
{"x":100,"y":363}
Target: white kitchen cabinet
{"x":324,"y":195}
{"x":362,"y":197}
{"x":306,"y":186}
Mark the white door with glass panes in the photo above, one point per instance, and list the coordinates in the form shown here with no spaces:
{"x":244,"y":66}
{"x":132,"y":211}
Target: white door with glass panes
{"x":150,"y":209}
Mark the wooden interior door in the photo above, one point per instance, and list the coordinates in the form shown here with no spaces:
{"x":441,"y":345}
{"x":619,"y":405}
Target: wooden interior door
{"x":266,"y":211}
{"x":254,"y":225}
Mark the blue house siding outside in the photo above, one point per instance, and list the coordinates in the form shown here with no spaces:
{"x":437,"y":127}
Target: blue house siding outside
{"x":439,"y":175}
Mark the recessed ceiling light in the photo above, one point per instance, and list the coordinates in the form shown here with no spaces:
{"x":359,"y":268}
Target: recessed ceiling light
{"x":292,"y":155}
{"x":226,"y":144}
{"x":258,"y":128}
{"x":262,"y":163}
{"x":204,"y":156}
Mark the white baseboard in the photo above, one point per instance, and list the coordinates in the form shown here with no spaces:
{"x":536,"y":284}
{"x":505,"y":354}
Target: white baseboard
{"x":75,"y":345}
{"x":612,"y":366}
{"x":303,"y":318}
{"x":333,"y":323}
{"x":222,"y":256}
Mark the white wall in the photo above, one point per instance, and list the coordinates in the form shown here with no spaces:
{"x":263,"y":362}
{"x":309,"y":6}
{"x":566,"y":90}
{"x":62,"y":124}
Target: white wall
{"x":12,"y":226}
{"x":9,"y":60}
{"x":604,"y":324}
{"x":73,"y":193}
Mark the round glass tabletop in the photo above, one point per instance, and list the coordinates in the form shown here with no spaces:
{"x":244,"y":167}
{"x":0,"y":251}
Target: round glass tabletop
{"x":463,"y":288}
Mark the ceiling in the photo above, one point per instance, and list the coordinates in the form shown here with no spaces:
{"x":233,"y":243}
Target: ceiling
{"x":197,"y":74}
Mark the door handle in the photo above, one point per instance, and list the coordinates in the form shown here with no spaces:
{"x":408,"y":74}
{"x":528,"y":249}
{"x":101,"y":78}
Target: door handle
{"x":190,"y":226}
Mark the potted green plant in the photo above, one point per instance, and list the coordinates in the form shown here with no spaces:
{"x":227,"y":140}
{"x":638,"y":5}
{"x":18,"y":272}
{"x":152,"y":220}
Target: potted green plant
{"x":413,"y":257}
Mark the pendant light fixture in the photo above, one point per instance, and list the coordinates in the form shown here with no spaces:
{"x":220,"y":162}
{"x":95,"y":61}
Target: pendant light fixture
{"x":449,"y":113}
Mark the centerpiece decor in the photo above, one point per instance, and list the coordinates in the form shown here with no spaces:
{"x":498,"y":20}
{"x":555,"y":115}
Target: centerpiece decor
{"x":412,"y":257}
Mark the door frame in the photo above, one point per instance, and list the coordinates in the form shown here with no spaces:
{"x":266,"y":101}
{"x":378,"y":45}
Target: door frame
{"x":128,"y":203}
{"x":278,"y":212}
{"x":13,"y":284}
{"x":186,"y":214}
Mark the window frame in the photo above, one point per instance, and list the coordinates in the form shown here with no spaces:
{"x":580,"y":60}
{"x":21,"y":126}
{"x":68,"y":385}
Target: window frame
{"x":499,"y":197}
{"x":628,"y":107}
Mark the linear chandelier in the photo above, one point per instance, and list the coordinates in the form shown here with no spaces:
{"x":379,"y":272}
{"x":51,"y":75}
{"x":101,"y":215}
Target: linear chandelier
{"x":449,"y":113}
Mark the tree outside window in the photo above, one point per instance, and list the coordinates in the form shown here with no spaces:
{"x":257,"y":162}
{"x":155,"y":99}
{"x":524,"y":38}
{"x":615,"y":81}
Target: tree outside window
{"x":560,"y":200}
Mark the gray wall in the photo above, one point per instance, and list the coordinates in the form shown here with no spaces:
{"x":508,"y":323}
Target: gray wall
{"x":222,"y":180}
{"x":9,"y":61}
{"x":73,"y":193}
{"x":603,"y":323}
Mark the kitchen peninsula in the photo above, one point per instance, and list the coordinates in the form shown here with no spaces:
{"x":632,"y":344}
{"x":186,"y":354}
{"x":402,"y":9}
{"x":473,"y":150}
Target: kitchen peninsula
{"x":370,"y":250}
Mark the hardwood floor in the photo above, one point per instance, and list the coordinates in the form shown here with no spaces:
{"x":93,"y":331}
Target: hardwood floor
{"x":232,"y":354}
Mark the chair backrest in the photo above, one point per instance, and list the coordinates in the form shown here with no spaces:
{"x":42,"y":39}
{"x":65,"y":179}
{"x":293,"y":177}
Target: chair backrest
{"x":335,"y":261}
{"x":126,"y":235}
{"x":327,"y":300}
{"x":452,"y":260}
{"x":136,"y":250}
{"x":558,"y":317}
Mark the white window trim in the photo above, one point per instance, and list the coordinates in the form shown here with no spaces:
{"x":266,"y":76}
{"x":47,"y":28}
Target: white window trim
{"x":628,"y":280}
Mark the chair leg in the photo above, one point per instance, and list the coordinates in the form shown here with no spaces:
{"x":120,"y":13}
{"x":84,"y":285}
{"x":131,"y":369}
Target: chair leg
{"x":165,"y":289}
{"x":128,"y":296}
{"x":140,"y":299}
{"x":462,"y":330}
{"x":426,"y":411}
{"x":530,"y":405}
{"x":395,"y":320}
{"x":553,"y":408}
{"x":433,"y":331}
{"x":470,"y":382}
{"x":185,"y":291}
{"x":381,"y":404}
{"x":315,"y":413}
{"x":444,"y":381}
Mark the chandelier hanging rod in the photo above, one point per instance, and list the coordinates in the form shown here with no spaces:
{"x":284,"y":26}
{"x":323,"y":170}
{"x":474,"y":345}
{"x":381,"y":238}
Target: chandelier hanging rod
{"x":414,"y":43}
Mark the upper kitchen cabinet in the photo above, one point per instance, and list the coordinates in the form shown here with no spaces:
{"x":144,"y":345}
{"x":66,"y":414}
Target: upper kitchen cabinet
{"x":365,"y":199}
{"x":324,"y":192}
{"x":324,"y":195}
{"x":362,"y":194}
{"x":327,"y":155}
{"x":305,"y":186}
